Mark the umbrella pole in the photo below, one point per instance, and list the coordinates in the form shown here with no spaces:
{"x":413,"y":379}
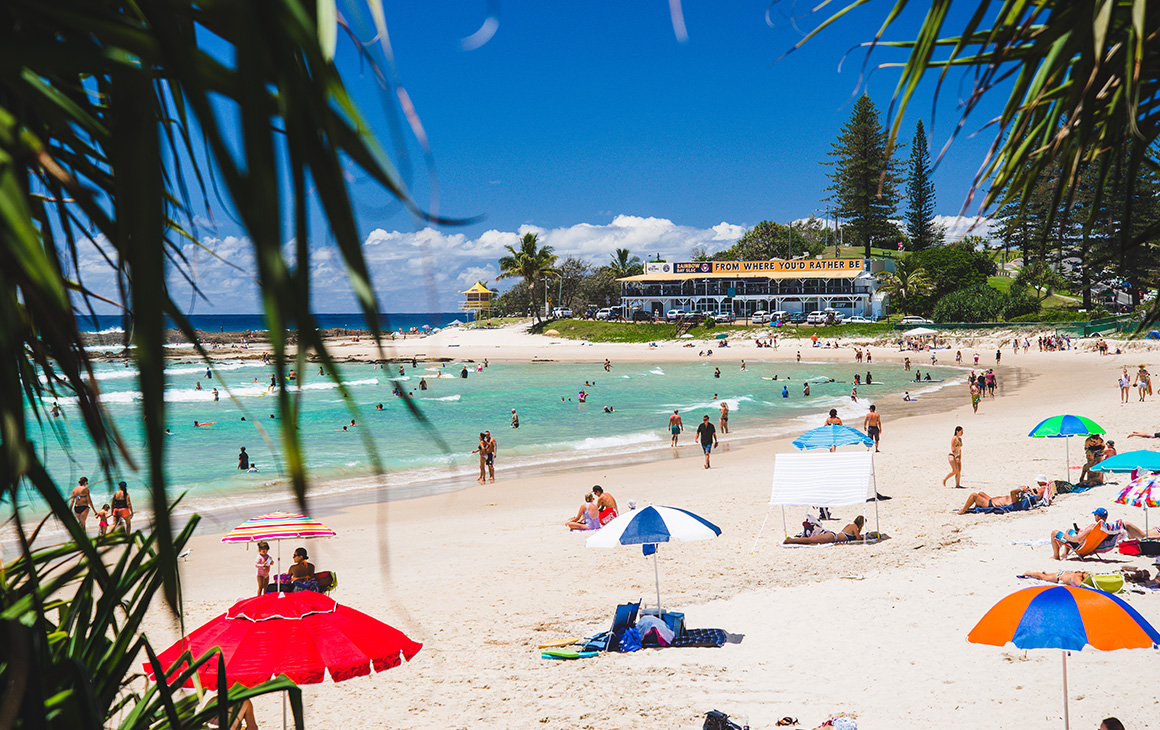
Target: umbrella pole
{"x":657,"y":576}
{"x":1066,"y":724}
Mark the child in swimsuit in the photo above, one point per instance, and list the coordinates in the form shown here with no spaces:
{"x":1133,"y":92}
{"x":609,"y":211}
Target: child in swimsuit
{"x":103,"y":516}
{"x":263,"y":564}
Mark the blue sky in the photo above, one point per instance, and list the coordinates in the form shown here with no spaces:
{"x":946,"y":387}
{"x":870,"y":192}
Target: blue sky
{"x":593,"y":126}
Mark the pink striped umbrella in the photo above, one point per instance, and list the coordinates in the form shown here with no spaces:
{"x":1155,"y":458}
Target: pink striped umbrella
{"x":278,"y":526}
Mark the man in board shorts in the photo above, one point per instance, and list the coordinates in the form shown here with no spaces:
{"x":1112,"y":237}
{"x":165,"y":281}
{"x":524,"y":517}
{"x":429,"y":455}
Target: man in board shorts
{"x":873,"y":424}
{"x":675,"y":426}
{"x":708,"y":436}
{"x":605,"y":505}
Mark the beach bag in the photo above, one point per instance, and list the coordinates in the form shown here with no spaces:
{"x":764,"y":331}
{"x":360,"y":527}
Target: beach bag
{"x":717,"y":720}
{"x":1140,"y":547}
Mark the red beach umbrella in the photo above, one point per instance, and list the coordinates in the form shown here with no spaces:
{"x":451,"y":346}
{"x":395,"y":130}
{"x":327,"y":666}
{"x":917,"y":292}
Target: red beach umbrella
{"x":302,"y":635}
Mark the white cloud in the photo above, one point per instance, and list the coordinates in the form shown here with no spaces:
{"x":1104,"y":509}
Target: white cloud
{"x":411,"y":271}
{"x":958,"y":226}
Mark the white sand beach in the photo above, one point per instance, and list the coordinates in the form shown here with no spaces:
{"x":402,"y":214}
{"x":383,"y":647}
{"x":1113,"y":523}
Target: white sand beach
{"x":482,"y":575}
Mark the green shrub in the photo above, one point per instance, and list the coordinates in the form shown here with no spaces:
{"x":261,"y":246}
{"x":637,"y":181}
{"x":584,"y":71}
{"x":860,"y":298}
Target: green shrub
{"x":978,"y":303}
{"x":1018,"y":302}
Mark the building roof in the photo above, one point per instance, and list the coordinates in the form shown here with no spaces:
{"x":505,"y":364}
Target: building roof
{"x":478,"y":288}
{"x":818,"y":274}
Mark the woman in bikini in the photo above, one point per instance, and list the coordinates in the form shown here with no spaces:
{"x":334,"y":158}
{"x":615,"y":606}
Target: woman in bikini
{"x":955,"y":458}
{"x":852,"y":531}
{"x":482,"y":451}
{"x":1062,"y":577}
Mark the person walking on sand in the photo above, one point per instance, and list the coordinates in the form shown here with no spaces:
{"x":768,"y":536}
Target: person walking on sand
{"x":675,"y":426}
{"x":708,"y":438}
{"x":976,"y":395}
{"x":492,"y":452}
{"x":724,"y":422}
{"x":1142,"y":383}
{"x":1125,"y":386}
{"x":81,"y":501}
{"x":122,"y":508}
{"x":873,"y":425}
{"x":482,"y":450}
{"x":955,"y":458}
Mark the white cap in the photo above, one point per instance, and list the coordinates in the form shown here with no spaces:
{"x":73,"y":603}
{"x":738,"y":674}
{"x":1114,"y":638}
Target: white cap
{"x":1042,"y":479}
{"x":844,"y":723}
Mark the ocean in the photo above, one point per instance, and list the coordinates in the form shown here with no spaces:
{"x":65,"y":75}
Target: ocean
{"x":255,"y":322}
{"x":555,"y":428}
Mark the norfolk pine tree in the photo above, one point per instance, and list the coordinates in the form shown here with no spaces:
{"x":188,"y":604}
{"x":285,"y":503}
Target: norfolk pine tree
{"x":920,"y":225}
{"x":865,"y":177}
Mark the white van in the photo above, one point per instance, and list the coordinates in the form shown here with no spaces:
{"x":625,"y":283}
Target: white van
{"x":779,"y":316}
{"x":759,"y":317}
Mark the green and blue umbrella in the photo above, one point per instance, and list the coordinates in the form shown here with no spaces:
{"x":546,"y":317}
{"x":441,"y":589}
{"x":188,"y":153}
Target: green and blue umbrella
{"x":1067,"y":618}
{"x":1066,"y":426}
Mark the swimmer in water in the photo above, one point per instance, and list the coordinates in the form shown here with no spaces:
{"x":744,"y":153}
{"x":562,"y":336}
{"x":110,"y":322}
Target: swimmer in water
{"x":609,"y":409}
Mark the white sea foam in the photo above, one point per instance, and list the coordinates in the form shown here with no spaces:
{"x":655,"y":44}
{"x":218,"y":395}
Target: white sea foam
{"x":733,"y":401}
{"x":446,"y":398}
{"x":332,"y":385}
{"x":657,"y":371}
{"x":610,"y":442}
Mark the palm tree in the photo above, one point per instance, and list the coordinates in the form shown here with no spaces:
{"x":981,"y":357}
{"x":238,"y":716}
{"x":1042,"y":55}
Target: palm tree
{"x":529,"y":262}
{"x":906,"y":282}
{"x":624,"y":264}
{"x":1079,"y":84}
{"x":112,"y":136}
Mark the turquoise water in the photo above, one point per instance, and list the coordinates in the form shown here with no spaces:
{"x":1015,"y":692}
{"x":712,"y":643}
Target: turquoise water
{"x":552,"y":431}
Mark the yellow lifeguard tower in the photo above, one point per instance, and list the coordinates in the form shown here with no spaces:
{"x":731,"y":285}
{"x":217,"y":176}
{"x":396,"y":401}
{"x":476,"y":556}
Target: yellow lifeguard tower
{"x":477,"y":301}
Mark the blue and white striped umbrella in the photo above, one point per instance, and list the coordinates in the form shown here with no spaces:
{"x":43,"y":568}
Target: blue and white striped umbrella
{"x":828,"y":437}
{"x":652,"y":525}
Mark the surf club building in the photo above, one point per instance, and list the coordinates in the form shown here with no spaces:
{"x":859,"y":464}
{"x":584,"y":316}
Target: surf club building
{"x":743,"y":287}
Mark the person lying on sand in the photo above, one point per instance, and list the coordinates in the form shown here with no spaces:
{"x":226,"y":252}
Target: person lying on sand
{"x":1062,"y":577}
{"x":852,"y":531}
{"x":1136,"y":533}
{"x":983,"y":501}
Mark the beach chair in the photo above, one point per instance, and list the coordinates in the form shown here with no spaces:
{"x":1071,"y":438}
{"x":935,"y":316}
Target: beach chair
{"x":327,"y":581}
{"x":624,"y":618}
{"x":1097,"y":543}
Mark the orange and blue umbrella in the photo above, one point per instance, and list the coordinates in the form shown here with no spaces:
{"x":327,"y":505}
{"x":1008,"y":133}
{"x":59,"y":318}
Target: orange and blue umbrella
{"x":1067,"y":618}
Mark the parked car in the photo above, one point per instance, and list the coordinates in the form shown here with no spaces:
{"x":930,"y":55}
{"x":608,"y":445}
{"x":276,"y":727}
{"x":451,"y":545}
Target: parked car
{"x":915,"y":320}
{"x":724,"y":318}
{"x":779,"y":316}
{"x":605,"y":313}
{"x":675,"y":314}
{"x":798,"y":318}
{"x":641,"y":315}
{"x":856,"y":319}
{"x":561,"y":313}
{"x":759,"y":317}
{"x":816,"y":317}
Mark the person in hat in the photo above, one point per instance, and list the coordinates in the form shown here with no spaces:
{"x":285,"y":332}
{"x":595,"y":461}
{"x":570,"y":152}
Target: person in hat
{"x":1063,"y":543}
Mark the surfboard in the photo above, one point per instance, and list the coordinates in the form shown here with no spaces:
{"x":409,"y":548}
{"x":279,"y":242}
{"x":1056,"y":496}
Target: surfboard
{"x":211,"y":423}
{"x":568,"y":654}
{"x":559,"y":642}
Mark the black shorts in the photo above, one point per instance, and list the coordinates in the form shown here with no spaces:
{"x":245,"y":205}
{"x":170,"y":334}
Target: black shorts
{"x":873,"y":431}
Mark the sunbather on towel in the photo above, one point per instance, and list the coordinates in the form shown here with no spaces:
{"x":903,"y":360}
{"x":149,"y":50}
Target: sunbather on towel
{"x":1062,"y":577}
{"x":983,"y":501}
{"x":852,"y":531}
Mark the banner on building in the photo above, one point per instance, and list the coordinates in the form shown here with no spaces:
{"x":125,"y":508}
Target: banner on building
{"x":757,"y":267}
